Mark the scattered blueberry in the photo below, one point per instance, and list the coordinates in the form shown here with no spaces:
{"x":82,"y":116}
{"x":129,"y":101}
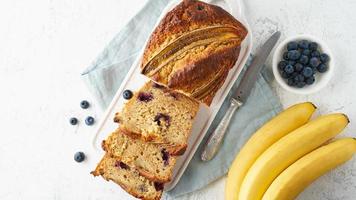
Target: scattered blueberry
{"x":300,"y":84}
{"x":121,"y":165}
{"x":310,"y":80}
{"x":315,"y":53}
{"x":282,"y":64}
{"x":299,"y":78}
{"x":298,"y":67}
{"x":306,"y":52}
{"x":127,"y":94}
{"x":307,"y":72}
{"x":303,"y":44}
{"x":324,"y":58}
{"x":89,"y":121}
{"x":79,"y":156}
{"x":285,"y":56}
{"x":73,"y":121}
{"x":304,"y":59}
{"x":314,"y":62}
{"x":322,"y":68}
{"x":293,"y":54}
{"x":313,"y":46}
{"x":292,"y":46}
{"x":289,"y":69}
{"x":84,"y":104}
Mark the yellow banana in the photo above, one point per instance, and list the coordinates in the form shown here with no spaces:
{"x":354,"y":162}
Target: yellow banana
{"x":285,"y":122}
{"x":286,"y":151}
{"x":299,"y":175}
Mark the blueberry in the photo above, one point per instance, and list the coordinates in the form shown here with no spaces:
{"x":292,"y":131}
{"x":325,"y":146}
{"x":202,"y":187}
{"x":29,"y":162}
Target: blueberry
{"x":293,"y":54}
{"x":291,"y":62}
{"x":127,"y":94}
{"x":79,"y":156}
{"x":322,"y":68}
{"x":314,"y":62}
{"x":315,"y":53}
{"x":89,"y":121}
{"x":303,"y":44}
{"x":84,"y":104}
{"x":282,"y":64}
{"x":285,"y":74}
{"x":73,"y":121}
{"x":310,"y":80}
{"x":304,"y":59}
{"x":298,"y":67}
{"x":313,"y":46}
{"x":145,"y":96}
{"x":299,"y":78}
{"x":294,"y":74}
{"x":292,"y":46}
{"x":285,"y":56}
{"x":314,"y":69}
{"x":324,"y":58}
{"x":121,"y":165}
{"x":307,"y":72}
{"x":289,"y":69}
{"x":306,"y":52}
{"x":301,"y":84}
{"x":291,"y":82}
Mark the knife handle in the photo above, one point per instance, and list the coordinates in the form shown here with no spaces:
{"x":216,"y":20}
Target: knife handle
{"x":214,"y":142}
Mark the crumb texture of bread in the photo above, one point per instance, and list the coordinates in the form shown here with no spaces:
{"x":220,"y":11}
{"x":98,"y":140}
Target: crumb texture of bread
{"x":151,"y":160}
{"x":193,"y":48}
{"x":129,"y":179}
{"x":159,"y":115}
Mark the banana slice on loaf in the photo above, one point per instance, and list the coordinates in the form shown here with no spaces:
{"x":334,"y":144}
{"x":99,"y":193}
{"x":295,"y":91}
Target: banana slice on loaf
{"x":193,"y":48}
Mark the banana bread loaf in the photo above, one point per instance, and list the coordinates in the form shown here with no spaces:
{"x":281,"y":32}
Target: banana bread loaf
{"x":128,"y":178}
{"x":150,"y":160}
{"x":159,"y":115}
{"x":193,"y":48}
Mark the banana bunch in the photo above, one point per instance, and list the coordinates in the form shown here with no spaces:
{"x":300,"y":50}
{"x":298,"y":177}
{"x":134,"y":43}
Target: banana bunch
{"x":287,"y":154}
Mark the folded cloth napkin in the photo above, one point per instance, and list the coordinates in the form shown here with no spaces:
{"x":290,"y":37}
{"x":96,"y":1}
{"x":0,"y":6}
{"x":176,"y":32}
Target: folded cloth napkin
{"x":105,"y":75}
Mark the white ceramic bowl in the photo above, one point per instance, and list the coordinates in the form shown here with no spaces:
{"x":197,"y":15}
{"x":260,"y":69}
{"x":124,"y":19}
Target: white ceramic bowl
{"x":321,"y":79}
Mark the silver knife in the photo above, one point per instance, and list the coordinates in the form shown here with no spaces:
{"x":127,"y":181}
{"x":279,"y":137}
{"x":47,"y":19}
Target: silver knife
{"x":239,"y":97}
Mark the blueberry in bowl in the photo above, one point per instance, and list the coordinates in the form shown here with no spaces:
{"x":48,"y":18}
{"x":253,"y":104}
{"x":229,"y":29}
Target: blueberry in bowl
{"x":302,"y":64}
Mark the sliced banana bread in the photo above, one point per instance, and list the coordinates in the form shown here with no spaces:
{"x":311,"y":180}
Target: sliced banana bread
{"x":128,"y":178}
{"x":159,"y":115}
{"x":151,"y":160}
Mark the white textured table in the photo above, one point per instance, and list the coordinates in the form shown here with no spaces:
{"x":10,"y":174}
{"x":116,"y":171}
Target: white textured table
{"x":45,"y":44}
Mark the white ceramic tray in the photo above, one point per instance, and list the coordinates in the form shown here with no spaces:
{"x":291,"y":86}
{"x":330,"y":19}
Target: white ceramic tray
{"x":134,"y":80}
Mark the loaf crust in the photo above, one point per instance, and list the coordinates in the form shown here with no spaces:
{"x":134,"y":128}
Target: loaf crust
{"x":128,"y":178}
{"x":150,"y":160}
{"x":193,"y":48}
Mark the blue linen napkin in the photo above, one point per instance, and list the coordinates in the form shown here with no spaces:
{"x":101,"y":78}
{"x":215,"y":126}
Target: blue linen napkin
{"x":105,"y":75}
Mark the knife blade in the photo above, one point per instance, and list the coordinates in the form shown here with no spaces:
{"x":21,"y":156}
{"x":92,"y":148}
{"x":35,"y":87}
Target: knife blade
{"x":239,"y":97}
{"x":250,"y":77}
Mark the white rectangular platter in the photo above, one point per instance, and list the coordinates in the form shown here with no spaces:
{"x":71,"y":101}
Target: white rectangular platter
{"x":134,"y":80}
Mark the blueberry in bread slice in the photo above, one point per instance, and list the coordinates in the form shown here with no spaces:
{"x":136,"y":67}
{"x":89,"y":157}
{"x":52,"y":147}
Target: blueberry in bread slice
{"x":193,"y":48}
{"x":128,"y":178}
{"x":150,"y":160}
{"x":159,"y":115}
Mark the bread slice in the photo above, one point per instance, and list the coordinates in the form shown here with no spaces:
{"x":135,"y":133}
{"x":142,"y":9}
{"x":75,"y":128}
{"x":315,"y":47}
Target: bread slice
{"x":151,"y":161}
{"x":193,"y":48}
{"x":128,"y":178}
{"x":159,"y":115}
